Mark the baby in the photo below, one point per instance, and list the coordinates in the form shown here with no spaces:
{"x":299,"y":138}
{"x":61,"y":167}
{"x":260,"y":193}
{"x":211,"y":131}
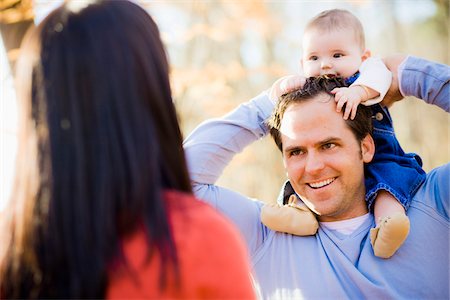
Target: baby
{"x":334,"y":45}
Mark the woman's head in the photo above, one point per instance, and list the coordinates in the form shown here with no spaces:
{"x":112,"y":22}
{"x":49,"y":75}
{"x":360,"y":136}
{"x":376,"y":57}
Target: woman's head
{"x":99,"y":142}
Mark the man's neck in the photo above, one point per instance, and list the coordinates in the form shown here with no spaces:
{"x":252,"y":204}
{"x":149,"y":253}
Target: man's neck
{"x":347,"y":226}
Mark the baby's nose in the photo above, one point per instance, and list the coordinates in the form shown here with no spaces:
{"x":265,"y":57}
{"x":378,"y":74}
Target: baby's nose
{"x":325,"y":64}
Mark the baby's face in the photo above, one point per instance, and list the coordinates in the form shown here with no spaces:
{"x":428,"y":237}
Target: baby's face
{"x":335,"y":52}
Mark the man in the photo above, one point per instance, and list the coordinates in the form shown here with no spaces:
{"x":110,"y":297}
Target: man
{"x":324,"y":159}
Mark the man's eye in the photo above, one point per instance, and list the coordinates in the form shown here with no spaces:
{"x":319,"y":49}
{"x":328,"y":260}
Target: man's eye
{"x":296,"y":152}
{"x":313,"y":57}
{"x":337,"y":55}
{"x":328,"y":146}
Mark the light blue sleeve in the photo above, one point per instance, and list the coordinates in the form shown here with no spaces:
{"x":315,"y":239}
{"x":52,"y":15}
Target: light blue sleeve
{"x":429,"y":81}
{"x":210,"y":148}
{"x":425,"y":80}
{"x":435,"y":192}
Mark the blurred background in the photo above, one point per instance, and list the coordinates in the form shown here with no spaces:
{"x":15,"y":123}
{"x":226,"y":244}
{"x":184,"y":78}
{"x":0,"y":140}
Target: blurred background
{"x":224,"y":52}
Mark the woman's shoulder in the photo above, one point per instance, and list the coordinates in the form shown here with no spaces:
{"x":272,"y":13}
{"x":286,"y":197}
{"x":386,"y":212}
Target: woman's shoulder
{"x":210,"y":249}
{"x":211,"y":256}
{"x":200,"y":231}
{"x":192,"y":214}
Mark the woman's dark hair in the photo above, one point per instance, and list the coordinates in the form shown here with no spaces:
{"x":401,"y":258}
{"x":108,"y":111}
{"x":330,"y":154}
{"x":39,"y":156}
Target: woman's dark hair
{"x":99,"y":144}
{"x":361,"y":125}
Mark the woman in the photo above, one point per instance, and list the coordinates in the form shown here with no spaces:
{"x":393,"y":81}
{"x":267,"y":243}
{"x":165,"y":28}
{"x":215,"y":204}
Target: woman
{"x":103,"y":204}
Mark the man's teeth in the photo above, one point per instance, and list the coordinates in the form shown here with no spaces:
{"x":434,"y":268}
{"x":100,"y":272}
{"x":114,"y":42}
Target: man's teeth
{"x":322,"y":183}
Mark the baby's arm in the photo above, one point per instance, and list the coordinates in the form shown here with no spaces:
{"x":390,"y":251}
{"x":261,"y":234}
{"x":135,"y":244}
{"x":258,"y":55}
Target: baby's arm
{"x":370,"y":88}
{"x":352,"y":97}
{"x":375,"y":76}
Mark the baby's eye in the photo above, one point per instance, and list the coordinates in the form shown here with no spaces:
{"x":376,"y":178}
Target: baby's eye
{"x":338,"y":55}
{"x":314,"y":57}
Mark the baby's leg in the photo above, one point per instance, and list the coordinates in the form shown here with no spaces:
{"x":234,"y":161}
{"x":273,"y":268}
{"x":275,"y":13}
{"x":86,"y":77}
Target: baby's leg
{"x":392,"y":225}
{"x":293,"y":218}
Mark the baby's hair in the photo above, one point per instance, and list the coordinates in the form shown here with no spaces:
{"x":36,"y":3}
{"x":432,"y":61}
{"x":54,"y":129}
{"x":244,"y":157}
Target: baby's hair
{"x":333,"y":19}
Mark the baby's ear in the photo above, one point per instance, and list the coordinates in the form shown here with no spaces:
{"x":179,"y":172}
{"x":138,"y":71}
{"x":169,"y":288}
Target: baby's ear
{"x":366,"y":54}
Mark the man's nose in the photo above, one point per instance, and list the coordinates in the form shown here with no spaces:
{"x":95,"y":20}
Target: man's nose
{"x":314,"y":163}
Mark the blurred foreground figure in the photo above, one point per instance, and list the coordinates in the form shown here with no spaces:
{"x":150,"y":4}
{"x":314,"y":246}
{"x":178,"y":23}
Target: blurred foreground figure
{"x":103,"y":206}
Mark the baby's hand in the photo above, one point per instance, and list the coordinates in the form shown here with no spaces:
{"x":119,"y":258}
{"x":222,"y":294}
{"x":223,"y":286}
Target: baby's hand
{"x":352,"y":96}
{"x":285,"y":85}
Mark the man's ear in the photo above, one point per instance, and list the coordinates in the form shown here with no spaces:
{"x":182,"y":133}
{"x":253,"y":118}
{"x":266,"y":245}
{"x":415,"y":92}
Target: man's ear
{"x":366,"y":54}
{"x":367,"y":148}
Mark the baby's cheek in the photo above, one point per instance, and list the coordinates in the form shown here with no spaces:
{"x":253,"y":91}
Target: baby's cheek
{"x":309,"y":70}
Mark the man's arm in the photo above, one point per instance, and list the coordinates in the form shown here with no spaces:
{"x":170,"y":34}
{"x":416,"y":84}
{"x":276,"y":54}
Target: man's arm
{"x":392,"y":63}
{"x":435,"y":192}
{"x":427,"y":80}
{"x":209,"y":149}
{"x":212,"y":145}
{"x":424,"y":79}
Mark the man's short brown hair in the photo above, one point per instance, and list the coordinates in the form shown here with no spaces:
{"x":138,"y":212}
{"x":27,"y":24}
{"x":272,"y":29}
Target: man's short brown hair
{"x":361,"y":125}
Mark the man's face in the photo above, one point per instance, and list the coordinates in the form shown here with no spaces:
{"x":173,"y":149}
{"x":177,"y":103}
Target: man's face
{"x":324,"y":160}
{"x":331,"y":53}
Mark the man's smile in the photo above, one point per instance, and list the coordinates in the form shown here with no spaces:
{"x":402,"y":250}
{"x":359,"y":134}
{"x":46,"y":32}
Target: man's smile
{"x":320,"y":184}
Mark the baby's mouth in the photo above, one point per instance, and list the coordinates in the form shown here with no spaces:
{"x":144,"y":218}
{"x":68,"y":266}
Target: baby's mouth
{"x":332,"y":75}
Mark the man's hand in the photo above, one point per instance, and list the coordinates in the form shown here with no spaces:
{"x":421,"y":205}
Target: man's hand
{"x":392,"y":62}
{"x":285,"y":85}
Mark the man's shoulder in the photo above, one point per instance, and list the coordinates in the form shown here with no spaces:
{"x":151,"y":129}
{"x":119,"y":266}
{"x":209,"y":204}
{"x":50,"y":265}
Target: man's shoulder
{"x":435,"y":191}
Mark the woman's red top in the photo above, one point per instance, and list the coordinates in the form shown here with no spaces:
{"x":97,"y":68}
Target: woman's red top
{"x":213,"y":260}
